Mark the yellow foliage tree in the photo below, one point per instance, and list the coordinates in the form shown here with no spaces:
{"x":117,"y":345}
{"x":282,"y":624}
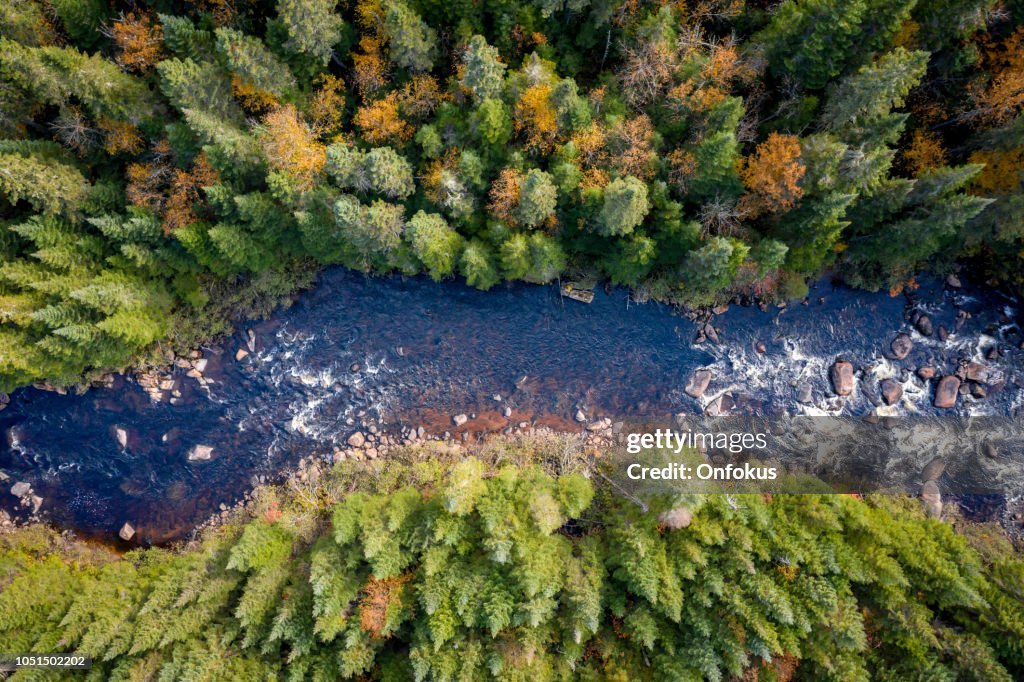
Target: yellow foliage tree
{"x":292,"y":147}
{"x":772,"y":176}
{"x":380,"y":122}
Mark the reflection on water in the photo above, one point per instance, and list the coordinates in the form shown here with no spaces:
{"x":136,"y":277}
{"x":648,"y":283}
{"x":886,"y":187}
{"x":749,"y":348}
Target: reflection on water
{"x":409,"y":351}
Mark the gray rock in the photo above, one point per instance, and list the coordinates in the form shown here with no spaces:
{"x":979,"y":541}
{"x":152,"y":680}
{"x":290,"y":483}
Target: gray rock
{"x":460,"y":419}
{"x":990,"y":450}
{"x":953,"y":281}
{"x":946,"y":392}
{"x":841,"y":376}
{"x":21,"y":489}
{"x":36,"y":502}
{"x":698,"y":383}
{"x":924,"y":325}
{"x":357,"y":440}
{"x":200,"y":365}
{"x":581,"y":416}
{"x":943,"y":333}
{"x":804,"y":394}
{"x":250,"y":340}
{"x":506,"y":411}
{"x":892,"y":391}
{"x":200,"y":453}
{"x":901,"y":346}
{"x":122,"y":437}
{"x":127,"y":532}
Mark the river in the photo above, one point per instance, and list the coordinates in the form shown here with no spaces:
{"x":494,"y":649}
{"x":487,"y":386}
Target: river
{"x":357,"y":350}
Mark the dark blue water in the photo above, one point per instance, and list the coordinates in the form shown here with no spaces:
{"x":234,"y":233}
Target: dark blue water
{"x":359,"y":350}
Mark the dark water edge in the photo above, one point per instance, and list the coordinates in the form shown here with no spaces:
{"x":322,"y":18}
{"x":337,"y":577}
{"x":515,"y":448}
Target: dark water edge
{"x":358,"y":350}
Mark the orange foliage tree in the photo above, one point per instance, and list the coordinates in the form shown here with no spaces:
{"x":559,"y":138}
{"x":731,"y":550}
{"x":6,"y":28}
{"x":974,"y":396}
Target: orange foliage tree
{"x":379,"y":122}
{"x":292,"y":147}
{"x":139,"y":41}
{"x":772,"y":176}
{"x":925,"y":153}
{"x":535,"y":119}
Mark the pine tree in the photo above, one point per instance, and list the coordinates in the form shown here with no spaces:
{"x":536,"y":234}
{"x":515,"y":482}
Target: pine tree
{"x":314,"y":28}
{"x":624,"y":206}
{"x":249,"y":59}
{"x":484,"y":71}
{"x":412,"y":42}
{"x":434,"y":243}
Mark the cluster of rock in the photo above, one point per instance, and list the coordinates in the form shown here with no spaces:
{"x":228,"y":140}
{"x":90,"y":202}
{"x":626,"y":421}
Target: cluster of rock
{"x":27,"y":498}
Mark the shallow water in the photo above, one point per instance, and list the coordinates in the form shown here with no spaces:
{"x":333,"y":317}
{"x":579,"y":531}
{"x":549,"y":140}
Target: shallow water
{"x":425,"y":351}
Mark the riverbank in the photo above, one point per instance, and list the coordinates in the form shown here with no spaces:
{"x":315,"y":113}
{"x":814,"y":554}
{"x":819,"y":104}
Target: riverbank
{"x":512,"y":549}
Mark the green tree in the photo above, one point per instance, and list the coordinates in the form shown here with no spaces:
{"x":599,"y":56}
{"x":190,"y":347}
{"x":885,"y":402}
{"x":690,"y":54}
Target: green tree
{"x":248,"y":58}
{"x":624,"y":206}
{"x":484,"y":72}
{"x":477,"y":265}
{"x":537,"y":198}
{"x":434,"y":243}
{"x":313,"y":27}
{"x":412,"y":42}
{"x":711,"y":268}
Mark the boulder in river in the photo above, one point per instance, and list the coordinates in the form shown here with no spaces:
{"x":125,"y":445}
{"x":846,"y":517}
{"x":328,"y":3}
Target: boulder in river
{"x":975,"y":371}
{"x":21,"y":489}
{"x":357,"y":440}
{"x":698,"y":383}
{"x":122,"y":436}
{"x":241,"y":354}
{"x":925,"y":373}
{"x":804,"y":394}
{"x":943,"y":333}
{"x":200,"y":365}
{"x":953,"y":281}
{"x":892,"y":391}
{"x":760,"y":347}
{"x":460,"y":419}
{"x":250,"y":340}
{"x":127,"y":532}
{"x":946,"y":392}
{"x":841,"y":375}
{"x":924,"y":325}
{"x":901,"y":346}
{"x":581,"y":416}
{"x":200,"y":453}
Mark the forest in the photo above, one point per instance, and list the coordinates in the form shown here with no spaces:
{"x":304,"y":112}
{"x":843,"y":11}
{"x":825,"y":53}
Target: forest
{"x":519,"y":563}
{"x":162,"y":161}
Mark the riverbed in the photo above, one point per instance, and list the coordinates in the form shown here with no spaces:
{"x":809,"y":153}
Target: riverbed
{"x":357,"y":351}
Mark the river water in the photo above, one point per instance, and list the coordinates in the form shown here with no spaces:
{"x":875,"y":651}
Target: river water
{"x":409,"y":351}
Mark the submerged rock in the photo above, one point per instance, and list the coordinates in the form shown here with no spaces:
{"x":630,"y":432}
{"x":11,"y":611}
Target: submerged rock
{"x":946,"y":392}
{"x":841,"y":376}
{"x":925,"y":326}
{"x":122,"y":437}
{"x":933,"y":470}
{"x":21,"y":489}
{"x":200,"y":453}
{"x":932,"y":499}
{"x":926,"y":373}
{"x":698,"y":383}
